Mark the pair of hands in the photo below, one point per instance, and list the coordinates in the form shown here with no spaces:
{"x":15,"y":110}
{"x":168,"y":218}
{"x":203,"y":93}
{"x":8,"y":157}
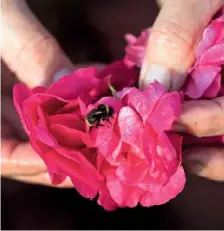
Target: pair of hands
{"x":35,"y":57}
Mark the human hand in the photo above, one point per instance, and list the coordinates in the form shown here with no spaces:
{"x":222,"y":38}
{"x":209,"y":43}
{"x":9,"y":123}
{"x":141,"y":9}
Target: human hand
{"x":35,"y":57}
{"x":169,"y":55}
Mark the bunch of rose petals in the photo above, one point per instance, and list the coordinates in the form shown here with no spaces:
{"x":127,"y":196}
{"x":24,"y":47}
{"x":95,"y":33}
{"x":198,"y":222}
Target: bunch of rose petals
{"x":204,"y":78}
{"x":131,"y":159}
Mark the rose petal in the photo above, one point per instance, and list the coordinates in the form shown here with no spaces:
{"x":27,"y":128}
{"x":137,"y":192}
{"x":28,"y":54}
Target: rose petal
{"x":202,"y":78}
{"x":106,"y":201}
{"x":71,"y":86}
{"x":123,"y":195}
{"x":166,"y":111}
{"x":168,"y":192}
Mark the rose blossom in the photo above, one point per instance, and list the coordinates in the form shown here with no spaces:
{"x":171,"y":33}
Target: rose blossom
{"x":206,"y":73}
{"x":52,"y":118}
{"x":139,"y":158}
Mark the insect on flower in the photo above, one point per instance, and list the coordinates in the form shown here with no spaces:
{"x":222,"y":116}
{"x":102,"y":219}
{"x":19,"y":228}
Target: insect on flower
{"x":101,"y":113}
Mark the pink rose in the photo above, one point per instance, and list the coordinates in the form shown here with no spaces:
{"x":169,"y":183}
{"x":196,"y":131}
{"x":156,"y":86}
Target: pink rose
{"x":138,"y":156}
{"x":205,"y":80}
{"x":56,"y":127}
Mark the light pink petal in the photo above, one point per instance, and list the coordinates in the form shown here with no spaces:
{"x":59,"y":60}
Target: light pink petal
{"x":153,"y":92}
{"x":168,"y":192}
{"x":202,"y":78}
{"x":213,"y":90}
{"x":132,"y":173}
{"x":166,"y":111}
{"x":214,"y":55}
{"x":72,"y":85}
{"x":135,"y":49}
{"x":136,"y":99}
{"x":124,"y":196}
{"x":130,"y":126}
{"x":212,"y":35}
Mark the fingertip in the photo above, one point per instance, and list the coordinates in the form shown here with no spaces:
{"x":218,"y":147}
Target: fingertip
{"x":207,"y":162}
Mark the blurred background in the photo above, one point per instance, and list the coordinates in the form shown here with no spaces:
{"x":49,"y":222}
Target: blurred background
{"x":93,"y":31}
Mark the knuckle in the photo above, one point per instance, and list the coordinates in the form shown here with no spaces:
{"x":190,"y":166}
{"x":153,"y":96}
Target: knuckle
{"x":215,"y":124}
{"x":174,"y":34}
{"x":36,"y":47}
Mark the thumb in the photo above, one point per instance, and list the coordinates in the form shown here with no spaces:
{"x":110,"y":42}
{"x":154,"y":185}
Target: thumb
{"x":171,"y":47}
{"x":27,"y":47}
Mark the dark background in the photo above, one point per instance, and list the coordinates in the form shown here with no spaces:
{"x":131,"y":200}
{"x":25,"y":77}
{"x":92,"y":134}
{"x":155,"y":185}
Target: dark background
{"x":94,"y":31}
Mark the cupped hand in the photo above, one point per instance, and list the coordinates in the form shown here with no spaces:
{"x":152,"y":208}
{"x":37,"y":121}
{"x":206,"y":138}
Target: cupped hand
{"x":35,"y":57}
{"x":169,"y":55}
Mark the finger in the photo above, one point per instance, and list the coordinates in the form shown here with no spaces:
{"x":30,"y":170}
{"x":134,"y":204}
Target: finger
{"x":43,"y":179}
{"x":10,"y":115}
{"x":27,"y":47}
{"x":175,"y":34}
{"x":19,"y":159}
{"x":202,"y":117}
{"x":207,"y":162}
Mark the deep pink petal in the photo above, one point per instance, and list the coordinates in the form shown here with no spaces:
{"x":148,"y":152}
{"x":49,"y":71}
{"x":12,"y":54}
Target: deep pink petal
{"x":106,"y":201}
{"x":120,"y":76}
{"x":168,"y":192}
{"x":38,"y":89}
{"x":20,"y":94}
{"x":84,"y":189}
{"x":68,"y":120}
{"x":176,"y":141}
{"x":68,"y":137}
{"x":72,"y":164}
{"x":56,"y":179}
{"x":72,"y":85}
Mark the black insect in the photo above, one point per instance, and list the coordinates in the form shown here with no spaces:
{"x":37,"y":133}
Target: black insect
{"x":101,"y":113}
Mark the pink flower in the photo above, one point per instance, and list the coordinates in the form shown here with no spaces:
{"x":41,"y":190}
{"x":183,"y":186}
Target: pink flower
{"x":139,"y":158}
{"x":135,"y":49}
{"x":205,"y":80}
{"x":53,"y":120}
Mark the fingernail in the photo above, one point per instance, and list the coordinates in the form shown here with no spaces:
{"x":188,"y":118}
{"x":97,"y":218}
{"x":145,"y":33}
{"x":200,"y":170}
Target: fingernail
{"x":60,"y":73}
{"x":155,"y":73}
{"x":193,"y":163}
{"x":171,"y":80}
{"x":194,"y":167}
{"x":179,"y":127}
